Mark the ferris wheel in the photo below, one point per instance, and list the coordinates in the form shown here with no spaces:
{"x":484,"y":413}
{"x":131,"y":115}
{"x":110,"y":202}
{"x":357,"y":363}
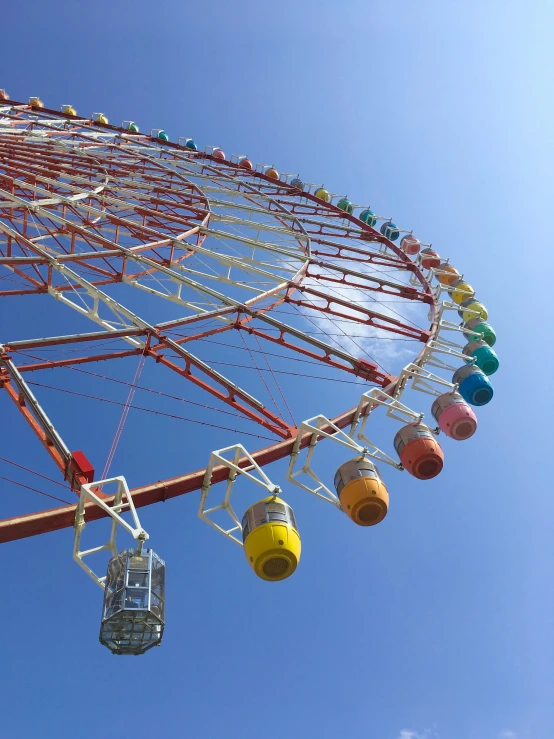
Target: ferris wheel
{"x":249,"y":297}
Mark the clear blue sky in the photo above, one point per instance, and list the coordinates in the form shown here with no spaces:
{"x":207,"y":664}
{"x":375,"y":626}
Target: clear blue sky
{"x":438,"y":624}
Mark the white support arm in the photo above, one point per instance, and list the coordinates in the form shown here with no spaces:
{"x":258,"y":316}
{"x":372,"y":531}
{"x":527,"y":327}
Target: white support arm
{"x":251,"y":471}
{"x":122,"y":501}
{"x":322,"y":428}
{"x":395,"y":409}
{"x":423,"y":380}
{"x":436,"y":350}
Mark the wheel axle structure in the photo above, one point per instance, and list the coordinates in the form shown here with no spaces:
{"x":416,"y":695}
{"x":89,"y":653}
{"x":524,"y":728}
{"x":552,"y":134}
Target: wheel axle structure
{"x":208,"y":271}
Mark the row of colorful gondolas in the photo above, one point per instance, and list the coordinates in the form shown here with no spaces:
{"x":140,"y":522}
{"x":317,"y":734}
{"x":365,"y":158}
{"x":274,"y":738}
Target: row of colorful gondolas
{"x":270,"y":535}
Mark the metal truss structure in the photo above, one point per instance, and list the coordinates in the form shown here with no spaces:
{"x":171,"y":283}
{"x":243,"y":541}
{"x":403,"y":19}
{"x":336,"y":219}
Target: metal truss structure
{"x":90,"y":214}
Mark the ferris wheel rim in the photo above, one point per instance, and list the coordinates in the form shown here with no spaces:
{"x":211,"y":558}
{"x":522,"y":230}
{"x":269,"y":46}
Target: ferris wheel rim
{"x":28,"y":525}
{"x":54,"y":519}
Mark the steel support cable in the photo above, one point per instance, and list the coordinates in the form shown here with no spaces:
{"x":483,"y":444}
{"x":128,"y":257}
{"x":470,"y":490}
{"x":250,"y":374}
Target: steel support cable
{"x":299,"y":359}
{"x":314,"y":323}
{"x":375,"y":300}
{"x":124,"y":415}
{"x":345,"y":335}
{"x":344,"y":320}
{"x":33,"y":472}
{"x":149,"y":410}
{"x":58,"y":350}
{"x":10,"y":278}
{"x":276,"y":381}
{"x":147,"y":389}
{"x":261,"y":375}
{"x":227,"y":364}
{"x":357,"y":336}
{"x":228,"y":346}
{"x":384,"y":303}
{"x":35,"y":490}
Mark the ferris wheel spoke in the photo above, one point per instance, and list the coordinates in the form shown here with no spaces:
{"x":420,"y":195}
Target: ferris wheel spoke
{"x":195,"y":370}
{"x":356,"y":313}
{"x":110,"y":274}
{"x":174,"y":295}
{"x":222,"y":388}
{"x":246,"y":316}
{"x":238,"y":193}
{"x":85,"y":359}
{"x":90,"y":309}
{"x":360,"y":254}
{"x":388,"y":287}
{"x":186,"y":196}
{"x":177,"y":276}
{"x":16,"y":263}
{"x":69,"y":251}
{"x":328,"y":354}
{"x":285,"y":242}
